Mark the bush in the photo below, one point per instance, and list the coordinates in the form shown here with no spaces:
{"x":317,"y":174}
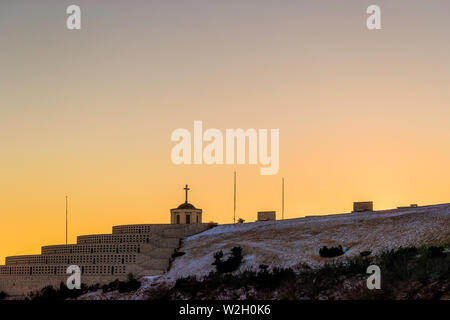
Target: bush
{"x":47,"y":293}
{"x":131,"y":285}
{"x":123,"y":286}
{"x":435,"y":252}
{"x":332,"y":252}
{"x":213,"y":285}
{"x":231,"y":264}
{"x":400,"y":263}
{"x":212,"y":224}
{"x":63,"y":293}
{"x":408,"y":273}
{"x":112,"y":286}
{"x":188,"y":284}
{"x":237,"y":252}
{"x":274,"y":279}
{"x":2,"y":295}
{"x":178,"y":254}
{"x":365,"y":253}
{"x":425,"y":264}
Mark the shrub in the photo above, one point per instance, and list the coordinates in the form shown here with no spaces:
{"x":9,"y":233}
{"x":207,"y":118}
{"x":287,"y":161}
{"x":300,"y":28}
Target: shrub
{"x":408,"y":273}
{"x":2,"y":295}
{"x":123,"y":286}
{"x":271,"y":280}
{"x":399,"y":263}
{"x":47,"y":293}
{"x":178,"y":254}
{"x":212,"y":224}
{"x":231,"y":264}
{"x":425,"y":264}
{"x":217,"y":256}
{"x":365,"y":253}
{"x":237,"y":252}
{"x":131,"y":285}
{"x":434,"y":252}
{"x":112,"y":286}
{"x":63,"y":293}
{"x":332,"y":252}
{"x":187,"y":283}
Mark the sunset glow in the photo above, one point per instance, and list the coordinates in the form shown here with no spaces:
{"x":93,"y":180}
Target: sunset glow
{"x":361,"y":115}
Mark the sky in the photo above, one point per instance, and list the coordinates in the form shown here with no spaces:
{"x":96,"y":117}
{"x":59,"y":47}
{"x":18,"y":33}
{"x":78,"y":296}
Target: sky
{"x":362,"y":115}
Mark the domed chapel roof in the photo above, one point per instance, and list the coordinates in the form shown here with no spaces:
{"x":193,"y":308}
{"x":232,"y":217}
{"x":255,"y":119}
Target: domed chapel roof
{"x":186,"y":205}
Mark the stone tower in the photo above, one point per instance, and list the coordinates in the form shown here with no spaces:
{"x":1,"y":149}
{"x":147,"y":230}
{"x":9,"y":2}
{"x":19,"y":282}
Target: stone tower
{"x":185,"y":213}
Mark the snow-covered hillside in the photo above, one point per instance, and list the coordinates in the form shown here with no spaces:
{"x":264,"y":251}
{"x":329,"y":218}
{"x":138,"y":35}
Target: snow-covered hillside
{"x":292,"y":242}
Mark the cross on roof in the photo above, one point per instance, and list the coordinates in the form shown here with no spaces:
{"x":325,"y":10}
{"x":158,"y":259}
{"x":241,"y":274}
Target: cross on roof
{"x":187,"y":189}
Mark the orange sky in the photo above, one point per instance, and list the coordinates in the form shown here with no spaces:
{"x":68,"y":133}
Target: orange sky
{"x":363,"y":115}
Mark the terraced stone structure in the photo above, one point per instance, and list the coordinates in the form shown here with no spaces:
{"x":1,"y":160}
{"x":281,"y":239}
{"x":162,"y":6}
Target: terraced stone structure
{"x":140,"y":249}
{"x":143,"y":249}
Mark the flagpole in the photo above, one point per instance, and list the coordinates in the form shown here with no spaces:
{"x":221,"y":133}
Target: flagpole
{"x":66,"y":220}
{"x":282,"y":198}
{"x":234,"y":216}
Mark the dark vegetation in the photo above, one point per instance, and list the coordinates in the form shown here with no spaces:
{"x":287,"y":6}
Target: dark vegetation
{"x":406,"y":273}
{"x":365,"y":253}
{"x":63,"y":293}
{"x":123,"y":286}
{"x":178,"y":254}
{"x":2,"y":295}
{"x":231,"y":264}
{"x":212,"y":224}
{"x":332,"y":252}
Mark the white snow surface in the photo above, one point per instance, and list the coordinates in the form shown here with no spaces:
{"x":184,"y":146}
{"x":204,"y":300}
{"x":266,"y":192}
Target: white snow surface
{"x":296,"y":242}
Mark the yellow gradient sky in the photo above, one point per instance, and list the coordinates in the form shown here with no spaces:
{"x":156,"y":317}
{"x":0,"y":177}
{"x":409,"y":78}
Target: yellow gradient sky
{"x":363,"y":115}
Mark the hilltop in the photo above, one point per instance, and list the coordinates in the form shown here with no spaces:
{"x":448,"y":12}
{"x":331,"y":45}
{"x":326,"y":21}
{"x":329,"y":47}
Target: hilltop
{"x":287,"y":243}
{"x":295,"y":244}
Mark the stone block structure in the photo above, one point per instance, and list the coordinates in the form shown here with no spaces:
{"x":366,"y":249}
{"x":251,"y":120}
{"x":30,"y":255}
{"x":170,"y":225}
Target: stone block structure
{"x":362,"y":206}
{"x":140,"y":249}
{"x":185,"y":213}
{"x":144,"y":249}
{"x":266,"y":215}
